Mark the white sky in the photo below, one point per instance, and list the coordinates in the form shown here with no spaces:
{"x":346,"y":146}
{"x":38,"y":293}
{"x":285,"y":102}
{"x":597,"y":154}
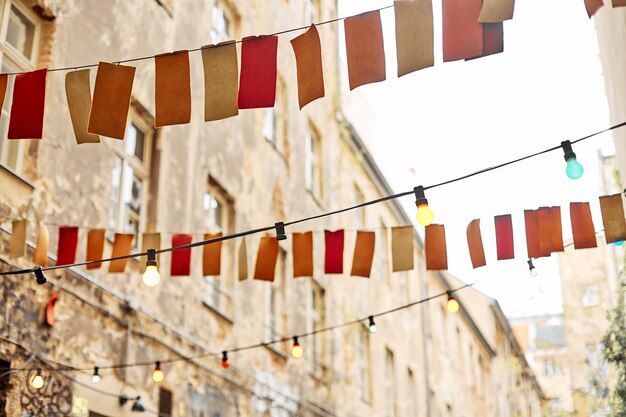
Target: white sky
{"x":456,"y":118}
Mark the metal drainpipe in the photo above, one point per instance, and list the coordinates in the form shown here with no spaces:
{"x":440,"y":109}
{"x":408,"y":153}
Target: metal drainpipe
{"x":425,"y":339}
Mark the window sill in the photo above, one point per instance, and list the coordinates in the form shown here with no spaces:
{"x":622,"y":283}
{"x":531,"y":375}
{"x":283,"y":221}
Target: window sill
{"x":16,"y":189}
{"x":218,"y":313}
{"x":277,"y":352}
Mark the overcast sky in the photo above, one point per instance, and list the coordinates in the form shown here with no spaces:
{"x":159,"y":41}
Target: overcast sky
{"x":459,"y":117}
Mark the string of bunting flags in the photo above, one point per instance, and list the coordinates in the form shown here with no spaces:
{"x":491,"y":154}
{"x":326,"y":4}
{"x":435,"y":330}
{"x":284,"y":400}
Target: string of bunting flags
{"x":471,"y":29}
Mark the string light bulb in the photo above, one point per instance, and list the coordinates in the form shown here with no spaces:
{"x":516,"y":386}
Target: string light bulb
{"x":225,"y":362}
{"x":619,"y":243}
{"x":453,"y":305}
{"x":151,"y":276}
{"x":37,"y":380}
{"x":425,"y":215}
{"x":157,"y":374}
{"x":296,"y":350}
{"x":372,"y":326}
{"x":95,"y":378}
{"x":39,"y":276}
{"x":574,"y":169}
{"x":531,"y":268}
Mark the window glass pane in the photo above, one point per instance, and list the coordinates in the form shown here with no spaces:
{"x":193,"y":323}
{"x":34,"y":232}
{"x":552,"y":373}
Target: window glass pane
{"x":134,"y":142}
{"x":116,"y":177}
{"x":213,"y":212}
{"x":20,"y":32}
{"x":221,"y":26}
{"x":136,"y":194}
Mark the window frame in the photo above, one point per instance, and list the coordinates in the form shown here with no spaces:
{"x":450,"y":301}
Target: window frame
{"x":317,"y":320}
{"x":314,"y":173}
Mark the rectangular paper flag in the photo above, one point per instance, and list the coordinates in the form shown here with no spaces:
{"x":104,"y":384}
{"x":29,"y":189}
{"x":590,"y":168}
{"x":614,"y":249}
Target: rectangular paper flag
{"x":592,"y":6}
{"x":504,"y":237}
{"x":496,"y":11}
{"x":619,"y":3}
{"x":414,"y":35}
{"x":257,"y":81}
{"x":4,"y":81}
{"x":308,"y":51}
{"x":302,"y":254}
{"x":27,"y":109}
{"x":582,"y":226}
{"x":78,"y":93}
{"x":333,"y":258}
{"x":17,"y":244}
{"x":212,"y":256}
{"x":172,"y":89}
{"x":402,"y":248}
{"x":111,"y":100}
{"x":40,"y":256}
{"x":475,"y":244}
{"x":462,"y":33}
{"x":493,"y":38}
{"x":221,"y":80}
{"x":243,"y":260}
{"x":95,"y":247}
{"x":364,"y":49}
{"x":613,"y":218}
{"x":67,"y":245}
{"x":531,"y":218}
{"x":550,"y":230}
{"x":121,"y":247}
{"x":363,"y":254}
{"x":266,"y":259}
{"x":181,"y":258}
{"x":150,"y":240}
{"x":436,"y":251}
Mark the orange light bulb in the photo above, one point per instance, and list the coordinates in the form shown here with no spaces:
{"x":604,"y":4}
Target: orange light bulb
{"x":297,"y":351}
{"x":157,"y":374}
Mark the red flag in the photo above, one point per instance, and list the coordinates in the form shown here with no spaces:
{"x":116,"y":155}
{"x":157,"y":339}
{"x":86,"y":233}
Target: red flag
{"x":29,"y":96}
{"x":257,"y":81}
{"x":181,"y":259}
{"x":462,"y":33}
{"x":68,"y":241}
{"x":334,"y":252}
{"x":504,"y":237}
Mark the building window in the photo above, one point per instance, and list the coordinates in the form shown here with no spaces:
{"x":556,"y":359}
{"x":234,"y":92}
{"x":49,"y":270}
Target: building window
{"x":313,"y":163}
{"x":218,"y":217}
{"x":311,"y":11}
{"x":590,"y":296}
{"x":390,"y":387}
{"x":550,"y":367}
{"x":165,"y":403}
{"x":221,"y":24}
{"x":363,"y":363}
{"x":275,"y":301}
{"x":318,"y":321}
{"x":275,"y":122}
{"x":19,"y":47}
{"x":130,"y":176}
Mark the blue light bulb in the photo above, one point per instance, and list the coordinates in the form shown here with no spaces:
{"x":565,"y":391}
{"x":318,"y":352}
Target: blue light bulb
{"x":574,"y":170}
{"x":619,"y":243}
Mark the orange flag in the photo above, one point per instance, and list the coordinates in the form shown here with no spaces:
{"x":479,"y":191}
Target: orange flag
{"x":41,"y":249}
{"x":550,"y":230}
{"x":436,"y":252}
{"x":402,"y":248}
{"x":172,"y":89}
{"x":302,"y":254}
{"x":363,"y":254}
{"x":531,"y":218}
{"x":95,"y":247}
{"x":619,"y":3}
{"x":111,"y":100}
{"x":613,"y":218}
{"x":475,"y":243}
{"x":212,"y":256}
{"x":266,"y":259}
{"x":462,"y":33}
{"x":364,"y":48}
{"x":414,"y":35}
{"x":592,"y":6}
{"x":582,"y":226}
{"x":308,"y":51}
{"x":121,"y":247}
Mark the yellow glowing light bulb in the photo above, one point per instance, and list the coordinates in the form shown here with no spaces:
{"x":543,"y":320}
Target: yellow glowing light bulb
{"x":157,"y":374}
{"x":37,"y":381}
{"x":297,"y":351}
{"x":151,"y":276}
{"x":453,"y":305}
{"x":425,"y":215}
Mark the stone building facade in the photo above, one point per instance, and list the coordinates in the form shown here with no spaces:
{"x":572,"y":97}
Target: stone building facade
{"x":263,"y":166}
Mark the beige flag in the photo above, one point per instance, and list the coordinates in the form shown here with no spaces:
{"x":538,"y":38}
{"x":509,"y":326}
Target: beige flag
{"x":17,"y":245}
{"x":221,"y":81}
{"x":78,"y":93}
{"x":149,"y":241}
{"x":493,"y":11}
{"x":243,"y":260}
{"x":41,"y":248}
{"x":414,"y":35}
{"x":111,"y":100}
{"x":402,"y":248}
{"x":613,"y":218}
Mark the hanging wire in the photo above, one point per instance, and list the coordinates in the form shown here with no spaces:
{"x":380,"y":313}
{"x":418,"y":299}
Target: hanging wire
{"x":318,"y":216}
